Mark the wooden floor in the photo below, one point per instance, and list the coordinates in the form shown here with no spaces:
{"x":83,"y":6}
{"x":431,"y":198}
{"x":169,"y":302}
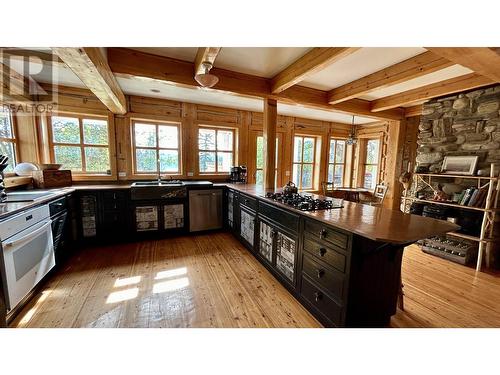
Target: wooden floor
{"x":212,"y":281}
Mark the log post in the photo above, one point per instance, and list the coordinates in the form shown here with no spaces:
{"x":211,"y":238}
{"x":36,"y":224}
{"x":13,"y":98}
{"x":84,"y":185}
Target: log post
{"x":269,"y":135}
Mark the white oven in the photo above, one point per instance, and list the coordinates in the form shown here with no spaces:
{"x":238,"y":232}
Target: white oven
{"x":28,"y":252}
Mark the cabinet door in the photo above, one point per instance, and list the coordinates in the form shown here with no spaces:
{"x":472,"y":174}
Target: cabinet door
{"x":146,"y":218}
{"x":89,"y":215}
{"x":247,"y":227}
{"x":173,"y":216}
{"x":230,"y":209}
{"x":266,"y":240}
{"x":286,"y":255}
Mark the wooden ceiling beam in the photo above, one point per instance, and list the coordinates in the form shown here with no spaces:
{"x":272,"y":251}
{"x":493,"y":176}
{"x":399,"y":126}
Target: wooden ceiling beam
{"x":205,"y":54}
{"x":413,"y":111}
{"x":90,"y":65}
{"x":134,"y":64}
{"x":449,"y":86}
{"x":313,"y":61}
{"x":482,"y":60}
{"x":14,"y":87}
{"x":414,"y":67}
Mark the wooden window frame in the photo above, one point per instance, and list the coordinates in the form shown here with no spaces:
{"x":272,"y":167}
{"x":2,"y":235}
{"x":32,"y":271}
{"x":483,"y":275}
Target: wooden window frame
{"x":363,"y":143}
{"x":279,"y":155}
{"x":233,"y":151}
{"x":14,"y":140}
{"x":111,"y":139}
{"x":334,"y":164}
{"x":301,"y":163}
{"x":135,"y":172}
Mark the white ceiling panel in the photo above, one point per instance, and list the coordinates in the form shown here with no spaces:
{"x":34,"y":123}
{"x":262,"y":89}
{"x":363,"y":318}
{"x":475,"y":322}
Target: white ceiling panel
{"x":440,"y":75}
{"x":57,"y":74}
{"x":361,"y":63}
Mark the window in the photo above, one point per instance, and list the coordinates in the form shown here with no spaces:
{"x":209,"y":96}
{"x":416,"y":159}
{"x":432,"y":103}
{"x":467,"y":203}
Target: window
{"x":304,"y":149}
{"x":215,"y":150}
{"x":7,"y":139}
{"x":80,"y":143}
{"x":156,"y":144}
{"x":336,"y":162}
{"x":259,"y":171}
{"x":371,"y":163}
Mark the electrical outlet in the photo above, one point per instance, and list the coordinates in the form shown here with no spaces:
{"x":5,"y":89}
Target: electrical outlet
{"x":122,"y":174}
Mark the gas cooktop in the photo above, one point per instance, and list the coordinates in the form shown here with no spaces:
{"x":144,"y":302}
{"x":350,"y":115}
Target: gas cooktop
{"x":305,"y":202}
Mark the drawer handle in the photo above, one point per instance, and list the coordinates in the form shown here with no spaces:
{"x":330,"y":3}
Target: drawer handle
{"x":322,"y":233}
{"x":322,"y":252}
{"x":320,"y":273}
{"x":318,"y":296}
{"x":247,"y":201}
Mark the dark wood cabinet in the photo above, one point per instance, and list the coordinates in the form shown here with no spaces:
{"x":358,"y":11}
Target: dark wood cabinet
{"x":233,"y":214}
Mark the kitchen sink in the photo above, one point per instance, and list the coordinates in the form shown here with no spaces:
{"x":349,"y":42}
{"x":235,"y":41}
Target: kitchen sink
{"x":156,"y":183}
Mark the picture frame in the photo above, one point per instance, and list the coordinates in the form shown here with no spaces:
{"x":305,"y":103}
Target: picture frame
{"x":460,"y":165}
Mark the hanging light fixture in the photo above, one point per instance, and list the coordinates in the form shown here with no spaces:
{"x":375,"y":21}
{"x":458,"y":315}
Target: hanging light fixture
{"x":206,"y":79}
{"x":351,"y":140}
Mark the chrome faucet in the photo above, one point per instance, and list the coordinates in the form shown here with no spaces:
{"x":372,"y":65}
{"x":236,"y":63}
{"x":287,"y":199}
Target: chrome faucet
{"x":159,"y":172}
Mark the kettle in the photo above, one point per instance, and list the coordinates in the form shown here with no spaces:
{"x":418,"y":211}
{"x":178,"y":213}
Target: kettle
{"x":290,"y":188}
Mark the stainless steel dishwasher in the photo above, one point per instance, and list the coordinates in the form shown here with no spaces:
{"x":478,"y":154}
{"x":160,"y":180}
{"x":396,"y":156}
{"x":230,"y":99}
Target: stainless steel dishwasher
{"x":205,"y":209}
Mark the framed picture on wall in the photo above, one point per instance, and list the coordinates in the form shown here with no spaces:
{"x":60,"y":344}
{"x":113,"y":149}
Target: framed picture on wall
{"x":461,"y":165}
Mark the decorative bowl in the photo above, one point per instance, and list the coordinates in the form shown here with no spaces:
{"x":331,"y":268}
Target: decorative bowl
{"x":54,"y":166}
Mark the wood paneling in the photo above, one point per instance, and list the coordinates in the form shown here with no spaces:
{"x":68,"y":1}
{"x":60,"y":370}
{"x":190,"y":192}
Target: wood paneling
{"x":416,"y":110}
{"x":449,"y":86}
{"x":90,"y":65}
{"x":482,"y":60}
{"x":132,"y":64}
{"x":414,"y":67}
{"x":194,"y":281}
{"x":313,"y":61}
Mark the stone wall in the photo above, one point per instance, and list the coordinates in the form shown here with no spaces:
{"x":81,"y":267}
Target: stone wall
{"x":462,"y":124}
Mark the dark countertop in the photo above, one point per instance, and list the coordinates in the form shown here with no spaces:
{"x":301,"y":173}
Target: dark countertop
{"x":375,"y":223}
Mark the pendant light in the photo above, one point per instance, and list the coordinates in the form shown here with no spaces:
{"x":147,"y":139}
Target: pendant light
{"x":206,"y":79}
{"x":351,"y":140}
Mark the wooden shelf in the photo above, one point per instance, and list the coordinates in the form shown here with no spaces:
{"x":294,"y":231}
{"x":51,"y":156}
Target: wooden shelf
{"x":452,"y":205}
{"x":456,"y":176}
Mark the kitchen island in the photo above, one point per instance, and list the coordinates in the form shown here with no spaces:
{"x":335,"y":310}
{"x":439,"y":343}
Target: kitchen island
{"x":342,"y":264}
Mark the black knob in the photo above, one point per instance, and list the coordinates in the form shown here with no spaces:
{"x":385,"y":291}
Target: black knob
{"x":322,"y":233}
{"x":320,"y":273}
{"x":246,"y":201}
{"x":318,"y":296}
{"x":322,"y":252}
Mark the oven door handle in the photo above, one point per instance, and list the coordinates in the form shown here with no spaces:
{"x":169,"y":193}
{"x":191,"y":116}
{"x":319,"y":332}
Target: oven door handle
{"x":28,"y":236}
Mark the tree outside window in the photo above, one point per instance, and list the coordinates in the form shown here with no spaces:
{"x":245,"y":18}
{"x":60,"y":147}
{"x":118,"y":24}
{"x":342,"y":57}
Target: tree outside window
{"x":215,"y":150}
{"x":371,"y":163}
{"x":8,"y":142}
{"x":304,"y":149}
{"x":80,"y":144}
{"x":336,"y":162}
{"x":259,"y":170}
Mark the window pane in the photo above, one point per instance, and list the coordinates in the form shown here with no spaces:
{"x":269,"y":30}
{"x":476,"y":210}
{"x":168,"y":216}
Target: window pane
{"x":370,"y":179}
{"x":340,"y":152}
{"x":225,"y":140}
{"x":206,"y":139}
{"x":207,"y":161}
{"x":169,"y":160}
{"x":296,"y":175}
{"x":69,"y":156}
{"x":145,"y":135}
{"x":339,"y":175}
{"x":97,"y":159}
{"x":95,"y":132}
{"x":8,"y":149}
{"x":331,"y":157}
{"x":330,"y":172}
{"x":308,"y":150}
{"x":65,"y":129}
{"x":260,"y":152}
{"x":168,"y":136}
{"x":259,"y":177}
{"x":372,"y":150}
{"x":5,"y":124}
{"x":145,"y":160}
{"x":224,"y":161}
{"x":307,"y":177}
{"x":297,"y":150}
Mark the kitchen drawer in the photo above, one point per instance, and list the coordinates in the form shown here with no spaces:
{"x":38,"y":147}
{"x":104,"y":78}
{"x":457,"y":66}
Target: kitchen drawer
{"x":328,"y":234}
{"x":321,"y":302}
{"x":248,"y":201}
{"x":326,"y":254}
{"x":114,"y":195}
{"x":329,"y":279}
{"x":114,"y":205}
{"x":285,"y":219}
